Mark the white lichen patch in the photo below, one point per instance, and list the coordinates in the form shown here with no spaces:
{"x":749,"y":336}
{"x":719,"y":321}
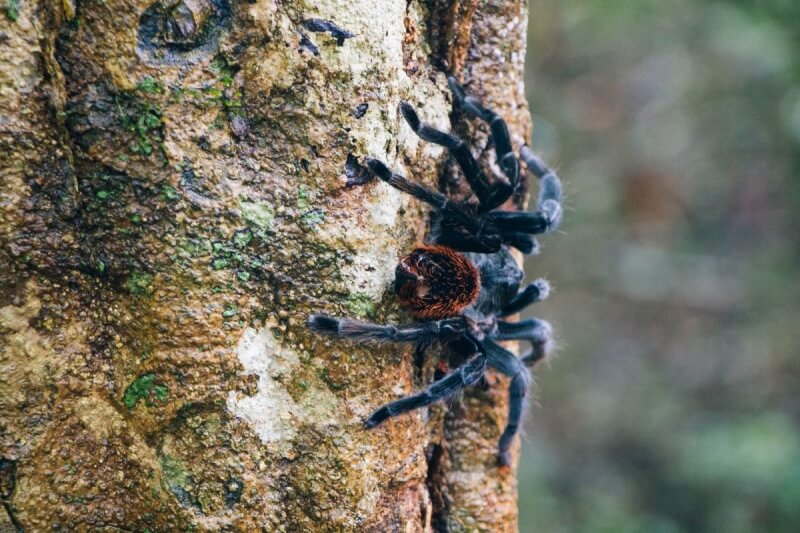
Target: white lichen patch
{"x":271,"y":412}
{"x":371,"y":271}
{"x":378,"y":41}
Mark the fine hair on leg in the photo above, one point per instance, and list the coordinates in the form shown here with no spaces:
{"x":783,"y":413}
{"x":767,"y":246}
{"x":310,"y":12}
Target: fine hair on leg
{"x":538,"y":332}
{"x":463,"y":376}
{"x":549,"y":201}
{"x":534,"y":292}
{"x":442,"y":203}
{"x":458,"y":149}
{"x":506,"y":159}
{"x":508,"y":364}
{"x":442,"y":330}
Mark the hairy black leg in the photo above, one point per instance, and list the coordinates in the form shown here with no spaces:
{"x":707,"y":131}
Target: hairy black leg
{"x":488,"y":194}
{"x":463,"y":376}
{"x":548,"y":212}
{"x":507,"y":363}
{"x":523,"y":242}
{"x":429,"y":196}
{"x":502,"y":140}
{"x":455,"y":218}
{"x":436,"y":199}
{"x":549,"y":202}
{"x":531,"y":222}
{"x":537,"y":332}
{"x":534,"y":292}
{"x":422,"y":332}
{"x":517,"y":391}
{"x":455,"y":237}
{"x":531,"y":357}
{"x":419,"y":352}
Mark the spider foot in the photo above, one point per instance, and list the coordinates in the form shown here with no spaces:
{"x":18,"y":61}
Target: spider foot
{"x":504,"y":459}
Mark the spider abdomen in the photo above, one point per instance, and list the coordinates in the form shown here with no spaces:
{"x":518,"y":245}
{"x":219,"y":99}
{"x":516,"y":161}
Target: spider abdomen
{"x":435,"y":282}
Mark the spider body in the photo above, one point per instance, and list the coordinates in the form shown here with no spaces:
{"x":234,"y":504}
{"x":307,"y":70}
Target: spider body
{"x":463,"y":284}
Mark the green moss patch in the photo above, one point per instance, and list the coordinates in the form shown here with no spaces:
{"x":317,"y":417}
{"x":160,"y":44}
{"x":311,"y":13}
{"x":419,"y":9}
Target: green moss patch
{"x":175,"y":475}
{"x":139,"y":283}
{"x":142,"y":118}
{"x":12,"y":10}
{"x":149,"y":85}
{"x":312,"y":218}
{"x":360,"y":304}
{"x":231,"y":310}
{"x":145,"y":388}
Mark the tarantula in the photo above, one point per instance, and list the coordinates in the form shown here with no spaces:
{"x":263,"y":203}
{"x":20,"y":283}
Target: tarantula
{"x":463,"y":283}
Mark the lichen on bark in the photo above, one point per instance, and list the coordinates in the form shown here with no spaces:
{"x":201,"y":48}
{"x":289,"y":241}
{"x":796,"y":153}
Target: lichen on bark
{"x":173,"y":204}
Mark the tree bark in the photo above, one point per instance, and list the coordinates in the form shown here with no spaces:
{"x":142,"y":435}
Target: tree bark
{"x":177,"y":196}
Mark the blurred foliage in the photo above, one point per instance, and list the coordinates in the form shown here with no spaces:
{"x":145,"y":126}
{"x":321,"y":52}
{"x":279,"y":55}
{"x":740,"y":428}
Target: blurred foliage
{"x":673,"y":404}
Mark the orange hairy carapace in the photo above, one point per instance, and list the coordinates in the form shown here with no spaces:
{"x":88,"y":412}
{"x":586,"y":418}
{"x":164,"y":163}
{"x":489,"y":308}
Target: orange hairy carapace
{"x":435,"y":282}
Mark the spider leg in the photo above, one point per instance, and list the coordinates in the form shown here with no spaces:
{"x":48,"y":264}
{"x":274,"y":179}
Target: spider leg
{"x":422,"y":332}
{"x":463,"y":376}
{"x":489,"y":195}
{"x":531,"y":222}
{"x":455,"y":237}
{"x":419,"y":351}
{"x":537,"y":332}
{"x":475,"y":239}
{"x":506,"y":362}
{"x":548,"y":212}
{"x":429,"y":196}
{"x":523,"y":242}
{"x":502,"y":140}
{"x":549,"y":202}
{"x":534,"y":292}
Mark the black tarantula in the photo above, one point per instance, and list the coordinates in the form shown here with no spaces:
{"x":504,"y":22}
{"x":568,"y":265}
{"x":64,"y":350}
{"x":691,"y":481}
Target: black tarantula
{"x":464,"y":283}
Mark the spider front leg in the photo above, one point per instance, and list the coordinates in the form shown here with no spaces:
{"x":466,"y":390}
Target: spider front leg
{"x":490,"y":195}
{"x":548,"y":214}
{"x":502,"y":140}
{"x":475,"y":238}
{"x":463,"y":376}
{"x":548,"y":205}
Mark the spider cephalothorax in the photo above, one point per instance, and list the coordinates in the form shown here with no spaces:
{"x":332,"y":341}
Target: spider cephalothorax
{"x":464,"y":283}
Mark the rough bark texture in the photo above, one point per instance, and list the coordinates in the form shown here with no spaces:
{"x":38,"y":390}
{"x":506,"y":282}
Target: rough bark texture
{"x":173,"y":204}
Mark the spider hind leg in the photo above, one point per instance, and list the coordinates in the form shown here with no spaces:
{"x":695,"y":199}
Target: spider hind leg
{"x":463,"y":376}
{"x":538,"y":332}
{"x":534,"y":292}
{"x":507,"y":363}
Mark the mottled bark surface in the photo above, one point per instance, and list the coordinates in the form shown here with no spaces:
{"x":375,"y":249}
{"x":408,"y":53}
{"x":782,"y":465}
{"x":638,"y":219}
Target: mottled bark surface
{"x":173,"y":204}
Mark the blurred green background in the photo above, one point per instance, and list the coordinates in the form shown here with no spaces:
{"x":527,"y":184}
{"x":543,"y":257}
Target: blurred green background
{"x":674,"y":402}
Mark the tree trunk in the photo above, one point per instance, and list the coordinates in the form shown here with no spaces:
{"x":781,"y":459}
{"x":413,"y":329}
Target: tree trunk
{"x":180,"y":189}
